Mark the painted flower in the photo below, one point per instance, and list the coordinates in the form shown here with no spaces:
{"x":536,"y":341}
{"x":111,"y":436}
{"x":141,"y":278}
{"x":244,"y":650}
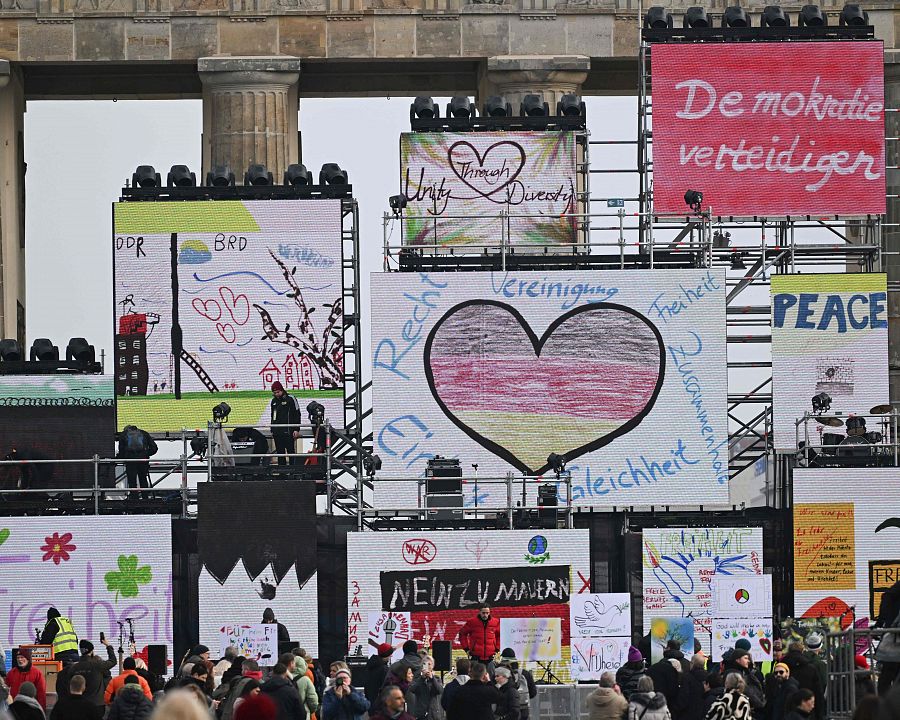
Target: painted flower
{"x":128,"y":577}
{"x":57,"y":547}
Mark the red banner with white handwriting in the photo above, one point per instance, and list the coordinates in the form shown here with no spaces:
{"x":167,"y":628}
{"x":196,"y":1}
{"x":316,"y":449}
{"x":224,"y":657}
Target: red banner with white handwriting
{"x":770,"y":128}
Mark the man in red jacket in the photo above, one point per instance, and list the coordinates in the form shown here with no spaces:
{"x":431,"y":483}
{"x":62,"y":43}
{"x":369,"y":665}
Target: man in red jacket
{"x":24,"y":672}
{"x":480,"y":637}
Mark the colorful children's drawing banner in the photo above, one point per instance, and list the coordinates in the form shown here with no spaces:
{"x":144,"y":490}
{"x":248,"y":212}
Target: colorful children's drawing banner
{"x":255,"y":297}
{"x":457,"y":185}
{"x":742,"y":597}
{"x":505,"y":368}
{"x":682,"y":564}
{"x":854,"y":514}
{"x":591,"y":656}
{"x":532,"y":638}
{"x":95,"y":570}
{"x":601,"y":615}
{"x":829,"y":335}
{"x":439,"y":578}
{"x":758,"y":632}
{"x":256,"y":642}
{"x":664,"y":630}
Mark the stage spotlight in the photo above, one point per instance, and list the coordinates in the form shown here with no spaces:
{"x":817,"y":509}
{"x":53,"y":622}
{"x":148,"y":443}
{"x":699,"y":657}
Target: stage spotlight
{"x":257,"y":174}
{"x":181,"y":176}
{"x":658,"y":18}
{"x":737,"y":261}
{"x":221,"y":412}
{"x":423,"y":107}
{"x":80,"y":350}
{"x":460,"y":107}
{"x":821,"y":403}
{"x":11,"y":351}
{"x":398,"y":202}
{"x":43,"y":350}
{"x":695,"y":17}
{"x":331,"y":174}
{"x":811,"y":16}
{"x":735,"y":17}
{"x":297,"y":175}
{"x":853,"y":15}
{"x":556,"y":462}
{"x":774,"y":16}
{"x":496,"y":106}
{"x":694,"y":200}
{"x":533,"y":106}
{"x":220,"y":176}
{"x":199,"y":446}
{"x":316,"y":413}
{"x":721,"y":239}
{"x":145,"y":176}
{"x":371,"y":464}
{"x":570,"y":105}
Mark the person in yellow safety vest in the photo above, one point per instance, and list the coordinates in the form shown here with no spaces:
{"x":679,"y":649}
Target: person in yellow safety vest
{"x":60,"y":633}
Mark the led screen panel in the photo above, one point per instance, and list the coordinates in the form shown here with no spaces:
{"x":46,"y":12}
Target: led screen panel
{"x":458,"y":184}
{"x":214,"y":301}
{"x":770,"y":129}
{"x":624,"y":373}
{"x":829,"y":335}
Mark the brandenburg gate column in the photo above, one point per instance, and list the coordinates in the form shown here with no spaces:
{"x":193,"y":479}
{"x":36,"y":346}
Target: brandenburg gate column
{"x":250,"y":107}
{"x":12,"y":202}
{"x":515,"y":76}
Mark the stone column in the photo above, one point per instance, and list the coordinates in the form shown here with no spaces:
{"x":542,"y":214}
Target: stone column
{"x":515,"y":76}
{"x":12,"y":203}
{"x":250,"y":107}
{"x":892,"y":234}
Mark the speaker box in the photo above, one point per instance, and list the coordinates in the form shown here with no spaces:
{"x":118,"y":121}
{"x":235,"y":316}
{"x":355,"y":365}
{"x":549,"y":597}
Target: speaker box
{"x":157,"y":660}
{"x":440,"y":651}
{"x":357,"y":665}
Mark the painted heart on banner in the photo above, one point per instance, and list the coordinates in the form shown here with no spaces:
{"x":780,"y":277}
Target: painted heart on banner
{"x":591,"y":377}
{"x":490,"y":172}
{"x":766,"y":645}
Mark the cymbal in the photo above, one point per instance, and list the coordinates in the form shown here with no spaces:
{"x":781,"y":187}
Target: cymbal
{"x":830,"y":421}
{"x":881,"y":409}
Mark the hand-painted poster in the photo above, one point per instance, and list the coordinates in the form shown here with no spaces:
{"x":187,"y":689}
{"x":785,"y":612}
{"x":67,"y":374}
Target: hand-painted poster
{"x":682,"y":564}
{"x":857,"y":534}
{"x":593,"y":656}
{"x":100,"y":572}
{"x":215,"y":301}
{"x":601,"y":614}
{"x":624,"y":374}
{"x":440,"y":578}
{"x":757,"y":631}
{"x":829,"y":339}
{"x":458,"y":184}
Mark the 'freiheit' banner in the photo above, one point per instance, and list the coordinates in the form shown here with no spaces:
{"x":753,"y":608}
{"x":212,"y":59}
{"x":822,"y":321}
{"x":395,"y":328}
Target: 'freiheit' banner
{"x":770,"y":129}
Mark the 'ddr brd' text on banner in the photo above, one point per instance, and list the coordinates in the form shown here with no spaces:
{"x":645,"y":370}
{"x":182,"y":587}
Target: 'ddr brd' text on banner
{"x":770,"y":129}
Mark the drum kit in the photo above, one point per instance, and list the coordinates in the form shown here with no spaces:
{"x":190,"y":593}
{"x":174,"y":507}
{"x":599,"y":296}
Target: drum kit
{"x":859,"y":446}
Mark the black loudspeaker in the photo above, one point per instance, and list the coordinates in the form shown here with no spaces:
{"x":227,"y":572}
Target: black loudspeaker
{"x":156,"y":660}
{"x":357,"y":665}
{"x":443,"y":658}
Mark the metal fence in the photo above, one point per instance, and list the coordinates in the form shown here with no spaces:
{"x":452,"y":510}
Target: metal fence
{"x":841,"y":649}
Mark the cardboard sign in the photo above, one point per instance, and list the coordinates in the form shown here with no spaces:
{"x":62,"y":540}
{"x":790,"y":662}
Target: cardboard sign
{"x":257,"y":642}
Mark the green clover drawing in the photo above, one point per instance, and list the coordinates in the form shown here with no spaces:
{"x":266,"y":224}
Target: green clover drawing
{"x":128,"y":577}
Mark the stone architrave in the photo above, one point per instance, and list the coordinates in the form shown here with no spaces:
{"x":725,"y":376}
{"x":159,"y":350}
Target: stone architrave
{"x":551,"y":76}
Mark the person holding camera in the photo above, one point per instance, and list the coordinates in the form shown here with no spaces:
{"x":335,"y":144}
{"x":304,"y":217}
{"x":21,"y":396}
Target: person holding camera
{"x":343,"y":702}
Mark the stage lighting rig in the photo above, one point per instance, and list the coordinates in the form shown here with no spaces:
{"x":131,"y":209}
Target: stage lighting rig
{"x":658,"y":18}
{"x":145,"y":176}
{"x":821,"y":403}
{"x":43,"y":350}
{"x":694,"y":200}
{"x":695,"y":17}
{"x":735,"y":17}
{"x":570,"y":105}
{"x":11,"y":351}
{"x":460,"y":107}
{"x":257,"y":174}
{"x":496,"y":106}
{"x":811,"y":16}
{"x":331,"y":174}
{"x":220,"y":176}
{"x":737,"y":260}
{"x":297,"y":175}
{"x":80,"y":350}
{"x":398,"y":203}
{"x":371,"y":464}
{"x":181,"y":176}
{"x":423,"y":108}
{"x":533,"y":106}
{"x":316,"y":413}
{"x":221,"y":412}
{"x":853,"y":15}
{"x":774,"y":16}
{"x":557,"y":462}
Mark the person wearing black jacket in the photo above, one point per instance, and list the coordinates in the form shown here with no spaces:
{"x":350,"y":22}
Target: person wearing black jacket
{"x":741,"y":662}
{"x":376,"y":671}
{"x":130,"y":702}
{"x":96,"y":673}
{"x":713,"y":689}
{"x":806,"y":675}
{"x":888,"y":616}
{"x":268,"y":618}
{"x":691,"y":696}
{"x":463,"y":666}
{"x":136,"y":444}
{"x":507,"y":707}
{"x":74,"y":705}
{"x":285,"y":411}
{"x":284,"y":694}
{"x":475,"y":699}
{"x":666,"y":680}
{"x":630,"y":673}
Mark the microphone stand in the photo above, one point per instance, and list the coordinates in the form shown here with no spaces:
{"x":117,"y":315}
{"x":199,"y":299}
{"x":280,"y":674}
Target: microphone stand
{"x":121,"y":642}
{"x":132,"y":647}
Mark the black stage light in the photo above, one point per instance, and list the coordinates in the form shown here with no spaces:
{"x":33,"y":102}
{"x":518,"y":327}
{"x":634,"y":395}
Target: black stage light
{"x":695,"y":17}
{"x":556,"y":462}
{"x":460,"y":107}
{"x":199,"y":446}
{"x":570,"y":105}
{"x":221,"y":412}
{"x":43,"y":350}
{"x":774,"y":16}
{"x":423,"y":107}
{"x":297,"y":175}
{"x":11,"y":351}
{"x":821,"y":403}
{"x":371,"y":464}
{"x":737,"y":261}
{"x":811,"y":16}
{"x":721,"y":239}
{"x":735,"y":17}
{"x":853,"y":15}
{"x":220,"y":176}
{"x":257,"y":174}
{"x":398,"y":202}
{"x":181,"y":176}
{"x":316,"y":413}
{"x":533,"y":106}
{"x":145,"y":176}
{"x":694,"y":200}
{"x":658,"y":18}
{"x":331,"y":174}
{"x":80,"y":350}
{"x":496,"y":106}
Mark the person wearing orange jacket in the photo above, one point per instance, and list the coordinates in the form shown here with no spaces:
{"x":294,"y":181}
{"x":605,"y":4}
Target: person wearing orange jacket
{"x":480,"y":637}
{"x":129,"y":667}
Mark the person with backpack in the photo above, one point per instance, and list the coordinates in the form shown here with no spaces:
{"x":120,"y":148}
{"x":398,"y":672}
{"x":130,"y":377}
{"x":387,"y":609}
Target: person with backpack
{"x":304,"y":684}
{"x":136,"y":444}
{"x":249,"y":671}
{"x":521,"y":679}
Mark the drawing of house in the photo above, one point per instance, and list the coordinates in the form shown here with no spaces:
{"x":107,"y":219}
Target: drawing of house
{"x":307,"y":374}
{"x":270,"y":373}
{"x":291,"y":376}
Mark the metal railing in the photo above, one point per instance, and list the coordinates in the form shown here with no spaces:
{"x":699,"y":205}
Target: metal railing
{"x":825,"y":446}
{"x":841,"y":649}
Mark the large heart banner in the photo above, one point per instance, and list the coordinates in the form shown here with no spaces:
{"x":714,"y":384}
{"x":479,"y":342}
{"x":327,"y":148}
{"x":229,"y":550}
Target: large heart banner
{"x":622,"y":373}
{"x":458,"y":184}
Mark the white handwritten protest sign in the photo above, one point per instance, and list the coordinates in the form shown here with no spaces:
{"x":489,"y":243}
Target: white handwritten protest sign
{"x":258,"y":642}
{"x":600,"y":614}
{"x":591,"y":657}
{"x":532,"y":638}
